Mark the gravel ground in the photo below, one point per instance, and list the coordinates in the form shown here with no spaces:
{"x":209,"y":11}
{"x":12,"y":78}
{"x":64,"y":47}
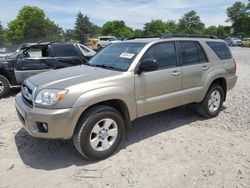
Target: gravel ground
{"x":174,"y":148}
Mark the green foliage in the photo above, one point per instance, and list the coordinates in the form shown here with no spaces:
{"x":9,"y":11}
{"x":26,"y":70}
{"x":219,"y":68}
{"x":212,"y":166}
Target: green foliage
{"x":138,"y":33}
{"x":84,"y":28}
{"x":239,"y":15}
{"x":117,"y":28}
{"x":2,"y":35}
{"x":190,"y":23}
{"x":171,"y":26}
{"x":69,"y":34}
{"x":155,"y":28}
{"x":220,"y":31}
{"x":32,"y":25}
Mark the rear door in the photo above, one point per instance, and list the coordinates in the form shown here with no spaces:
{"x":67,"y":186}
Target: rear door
{"x":34,"y":60}
{"x":160,"y":89}
{"x":66,"y":55}
{"x":195,"y":68}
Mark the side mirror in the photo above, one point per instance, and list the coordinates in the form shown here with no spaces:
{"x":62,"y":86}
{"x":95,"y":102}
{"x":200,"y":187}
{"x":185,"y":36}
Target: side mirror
{"x":146,"y":65}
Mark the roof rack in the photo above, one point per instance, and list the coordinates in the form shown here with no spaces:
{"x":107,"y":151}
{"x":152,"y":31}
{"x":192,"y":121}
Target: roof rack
{"x":147,"y":37}
{"x":189,"y":36}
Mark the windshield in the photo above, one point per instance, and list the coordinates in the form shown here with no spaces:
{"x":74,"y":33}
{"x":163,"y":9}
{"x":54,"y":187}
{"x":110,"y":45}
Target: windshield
{"x":117,"y":56}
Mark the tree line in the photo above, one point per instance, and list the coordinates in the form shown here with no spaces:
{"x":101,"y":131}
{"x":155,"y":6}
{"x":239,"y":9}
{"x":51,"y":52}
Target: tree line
{"x":32,"y":25}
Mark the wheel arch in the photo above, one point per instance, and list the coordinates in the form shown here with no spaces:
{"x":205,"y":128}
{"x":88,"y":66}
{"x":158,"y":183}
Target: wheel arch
{"x":222,"y":82}
{"x":117,"y":104}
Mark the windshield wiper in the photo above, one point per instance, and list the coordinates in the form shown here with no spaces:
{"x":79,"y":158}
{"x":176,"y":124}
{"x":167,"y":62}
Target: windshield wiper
{"x":104,"y":66}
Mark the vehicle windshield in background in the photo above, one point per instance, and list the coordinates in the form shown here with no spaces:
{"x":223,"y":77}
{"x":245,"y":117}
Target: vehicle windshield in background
{"x":117,"y":56}
{"x":3,"y":51}
{"x":235,"y":38}
{"x":112,"y":39}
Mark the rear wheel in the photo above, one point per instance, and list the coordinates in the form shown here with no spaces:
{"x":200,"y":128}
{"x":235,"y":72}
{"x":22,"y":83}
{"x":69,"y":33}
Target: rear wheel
{"x":99,"y":132}
{"x":4,"y":86}
{"x":212,"y":103}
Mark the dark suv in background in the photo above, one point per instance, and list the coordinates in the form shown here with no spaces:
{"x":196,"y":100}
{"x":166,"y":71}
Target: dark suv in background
{"x":34,"y":58}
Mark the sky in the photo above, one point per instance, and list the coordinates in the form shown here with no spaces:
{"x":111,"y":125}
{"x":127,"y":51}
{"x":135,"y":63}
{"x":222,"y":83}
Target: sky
{"x":134,"y":12}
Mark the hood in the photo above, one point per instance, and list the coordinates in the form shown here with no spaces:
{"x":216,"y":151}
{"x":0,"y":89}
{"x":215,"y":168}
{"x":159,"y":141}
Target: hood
{"x":69,"y":77}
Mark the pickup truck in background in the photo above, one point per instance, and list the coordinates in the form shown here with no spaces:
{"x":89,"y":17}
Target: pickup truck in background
{"x":35,"y":58}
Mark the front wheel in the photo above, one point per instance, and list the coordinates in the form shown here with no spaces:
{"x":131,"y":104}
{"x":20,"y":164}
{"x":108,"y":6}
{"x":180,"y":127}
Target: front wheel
{"x":99,"y":132}
{"x":4,"y":86}
{"x":212,"y":103}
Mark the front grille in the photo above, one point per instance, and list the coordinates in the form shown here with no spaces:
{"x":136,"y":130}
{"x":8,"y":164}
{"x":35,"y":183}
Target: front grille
{"x":28,"y":90}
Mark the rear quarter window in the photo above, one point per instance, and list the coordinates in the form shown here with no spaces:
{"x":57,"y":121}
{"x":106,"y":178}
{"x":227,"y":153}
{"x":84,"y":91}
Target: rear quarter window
{"x":65,"y":50}
{"x":221,"y":49}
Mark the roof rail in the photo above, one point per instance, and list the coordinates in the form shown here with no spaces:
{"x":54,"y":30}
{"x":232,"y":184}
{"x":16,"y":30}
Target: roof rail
{"x":189,"y":36}
{"x":147,"y":37}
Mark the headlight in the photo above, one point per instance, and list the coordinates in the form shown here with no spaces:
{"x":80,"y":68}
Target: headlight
{"x":49,"y":97}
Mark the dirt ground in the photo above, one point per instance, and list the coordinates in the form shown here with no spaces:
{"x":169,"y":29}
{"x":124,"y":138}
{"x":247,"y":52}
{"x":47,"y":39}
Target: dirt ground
{"x":174,"y":148}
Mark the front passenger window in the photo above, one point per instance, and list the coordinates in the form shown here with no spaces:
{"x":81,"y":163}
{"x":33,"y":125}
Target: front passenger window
{"x":164,"y":53}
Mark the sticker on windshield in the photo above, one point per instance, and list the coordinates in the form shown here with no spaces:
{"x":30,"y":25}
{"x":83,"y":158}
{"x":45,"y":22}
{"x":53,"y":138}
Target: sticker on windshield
{"x":127,"y":55}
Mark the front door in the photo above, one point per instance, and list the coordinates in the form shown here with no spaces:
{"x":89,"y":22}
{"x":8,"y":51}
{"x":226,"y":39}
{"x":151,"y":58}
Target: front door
{"x":160,"y":89}
{"x":35,"y":60}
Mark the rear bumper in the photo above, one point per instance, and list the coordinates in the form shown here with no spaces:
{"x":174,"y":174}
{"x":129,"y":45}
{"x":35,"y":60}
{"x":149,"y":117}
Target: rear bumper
{"x":231,"y":82}
{"x":61,"y":122}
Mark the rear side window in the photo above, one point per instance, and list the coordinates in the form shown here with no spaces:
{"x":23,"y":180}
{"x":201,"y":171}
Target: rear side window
{"x":221,"y":49}
{"x":192,"y":53}
{"x":189,"y":53}
{"x":65,"y":50}
{"x":164,"y":53}
{"x":202,"y":55}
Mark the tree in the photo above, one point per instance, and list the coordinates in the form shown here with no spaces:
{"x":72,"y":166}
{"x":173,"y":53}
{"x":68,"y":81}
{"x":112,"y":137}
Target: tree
{"x":117,"y":28}
{"x":32,"y":25}
{"x":138,"y":33}
{"x":239,"y":15}
{"x":220,"y":31}
{"x":211,"y":30}
{"x":69,"y":34}
{"x":84,"y":28}
{"x":171,"y":26}
{"x":2,"y":36}
{"x":190,"y":23}
{"x":155,"y":28}
{"x":223,"y":31}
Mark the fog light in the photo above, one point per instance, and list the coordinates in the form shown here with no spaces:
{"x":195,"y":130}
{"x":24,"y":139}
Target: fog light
{"x":45,"y":126}
{"x":42,"y":127}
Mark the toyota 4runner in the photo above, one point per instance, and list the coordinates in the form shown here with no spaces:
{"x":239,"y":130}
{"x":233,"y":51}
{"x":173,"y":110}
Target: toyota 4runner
{"x":95,"y":102}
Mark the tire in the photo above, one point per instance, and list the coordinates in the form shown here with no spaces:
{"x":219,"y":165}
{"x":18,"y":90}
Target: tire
{"x":99,"y":47}
{"x":85,"y":135}
{"x":4,"y":86}
{"x":207,"y":107}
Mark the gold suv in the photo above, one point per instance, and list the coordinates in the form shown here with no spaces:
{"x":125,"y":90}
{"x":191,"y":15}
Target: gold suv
{"x":95,"y":102}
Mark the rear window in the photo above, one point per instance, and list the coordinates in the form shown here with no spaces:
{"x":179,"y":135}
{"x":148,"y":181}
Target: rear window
{"x":221,"y":49}
{"x":65,"y":50}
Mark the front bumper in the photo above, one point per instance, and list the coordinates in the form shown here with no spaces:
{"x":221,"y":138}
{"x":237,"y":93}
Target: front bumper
{"x":61,"y":122}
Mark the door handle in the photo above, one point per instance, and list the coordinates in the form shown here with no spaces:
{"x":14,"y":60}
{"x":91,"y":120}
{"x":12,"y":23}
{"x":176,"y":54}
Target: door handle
{"x":205,"y":68}
{"x":176,"y":73}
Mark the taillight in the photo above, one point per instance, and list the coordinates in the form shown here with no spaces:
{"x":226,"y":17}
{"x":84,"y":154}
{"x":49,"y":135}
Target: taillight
{"x":235,"y":66}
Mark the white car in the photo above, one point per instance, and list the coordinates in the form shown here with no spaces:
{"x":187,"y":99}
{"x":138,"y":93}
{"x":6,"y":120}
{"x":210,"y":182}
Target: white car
{"x":3,"y":53}
{"x":104,"y":41}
